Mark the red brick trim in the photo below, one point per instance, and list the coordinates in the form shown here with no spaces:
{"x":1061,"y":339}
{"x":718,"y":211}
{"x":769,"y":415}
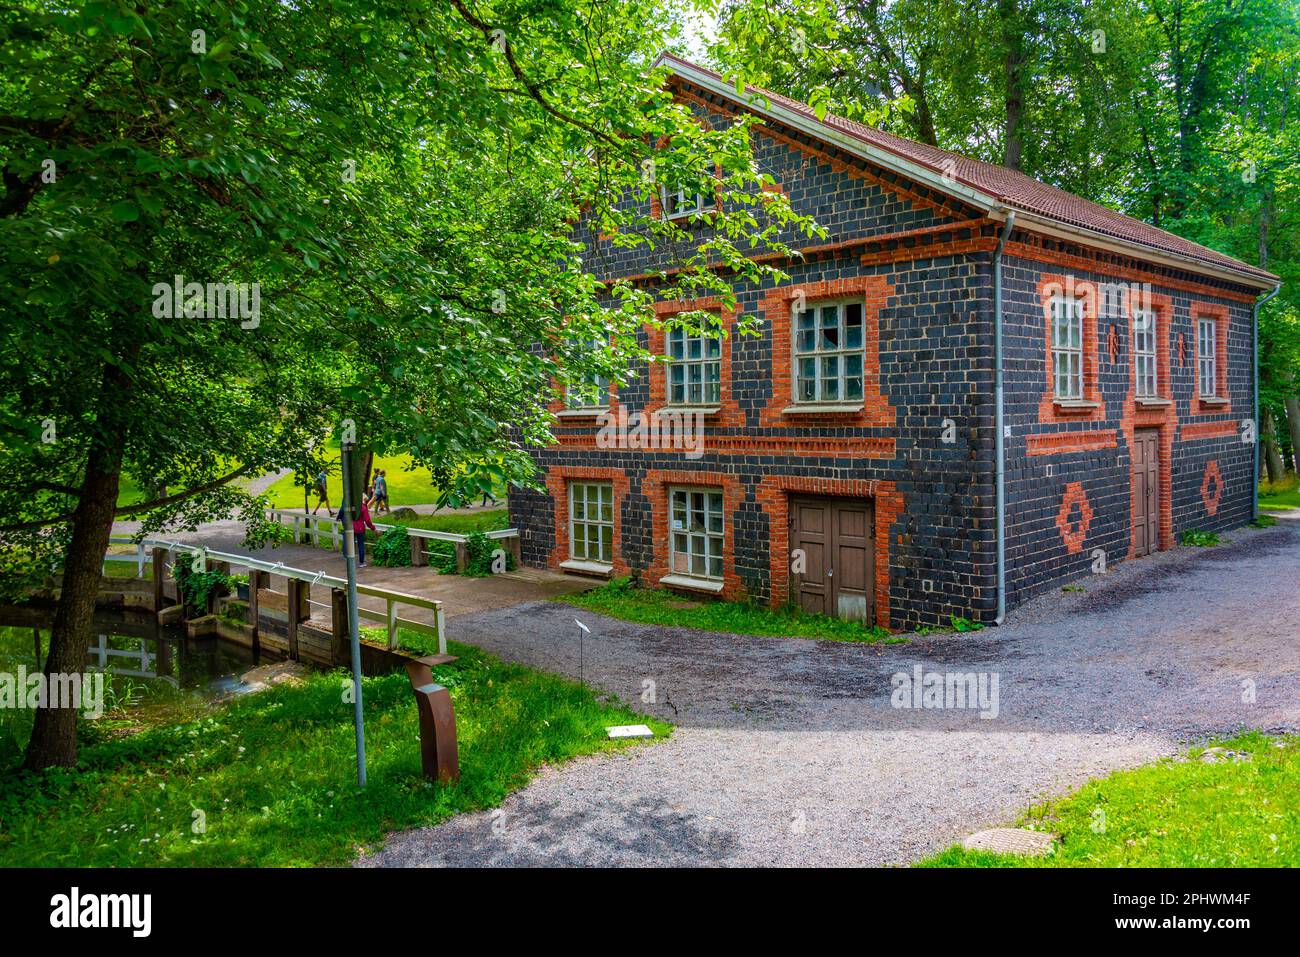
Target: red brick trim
{"x":1219,"y":313}
{"x":1162,"y":418}
{"x":1212,"y":475}
{"x":1208,"y":430}
{"x":1070,"y":534}
{"x":729,"y":415}
{"x":774,"y":497}
{"x":655,"y":489}
{"x":1104,"y":262}
{"x":776,"y":308}
{"x":558,"y":478}
{"x":1049,"y":286}
{"x":1057,"y":443}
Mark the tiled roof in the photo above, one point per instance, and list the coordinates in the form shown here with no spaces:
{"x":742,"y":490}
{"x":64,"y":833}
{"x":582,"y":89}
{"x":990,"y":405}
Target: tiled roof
{"x":1008,"y":186}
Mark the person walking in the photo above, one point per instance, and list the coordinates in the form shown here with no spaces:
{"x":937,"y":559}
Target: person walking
{"x":322,"y":492}
{"x":359,"y":526}
{"x":381,"y":491}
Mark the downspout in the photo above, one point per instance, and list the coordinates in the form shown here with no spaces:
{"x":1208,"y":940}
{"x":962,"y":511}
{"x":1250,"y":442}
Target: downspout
{"x":1254,"y":334}
{"x":999,"y":445}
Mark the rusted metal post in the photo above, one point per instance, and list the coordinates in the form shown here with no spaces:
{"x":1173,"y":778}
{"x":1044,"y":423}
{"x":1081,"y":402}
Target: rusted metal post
{"x":438,"y":755}
{"x":293,"y":616}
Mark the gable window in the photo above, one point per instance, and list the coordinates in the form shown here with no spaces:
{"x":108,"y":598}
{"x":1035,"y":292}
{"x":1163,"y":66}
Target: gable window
{"x":1144,"y":352}
{"x":1207,"y":368}
{"x":694,"y":369}
{"x":591,"y":521}
{"x":1067,"y":347}
{"x":680,"y":203}
{"x":828,"y":353}
{"x":697,"y":529}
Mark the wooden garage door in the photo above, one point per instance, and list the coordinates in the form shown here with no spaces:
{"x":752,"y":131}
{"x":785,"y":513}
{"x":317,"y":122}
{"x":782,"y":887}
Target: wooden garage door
{"x":1146,"y":491}
{"x":838,"y":557}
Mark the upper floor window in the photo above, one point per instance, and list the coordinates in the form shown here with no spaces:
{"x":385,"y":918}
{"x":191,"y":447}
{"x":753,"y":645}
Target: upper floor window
{"x":681,"y":203}
{"x":698,"y":532}
{"x":1067,"y":347}
{"x":828,"y":353}
{"x":694,"y":369}
{"x":591,"y":521}
{"x":1144,"y":352}
{"x":590,"y":391}
{"x":1207,"y":367}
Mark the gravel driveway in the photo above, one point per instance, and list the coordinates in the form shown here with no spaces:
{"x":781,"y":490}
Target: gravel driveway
{"x":788,"y":751}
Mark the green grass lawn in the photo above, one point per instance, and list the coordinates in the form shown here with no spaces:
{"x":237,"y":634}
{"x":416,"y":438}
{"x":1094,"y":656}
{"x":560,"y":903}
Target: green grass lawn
{"x":271,"y":775}
{"x":649,"y":606}
{"x":405,"y":486}
{"x":1173,"y":814}
{"x":1280,"y":496}
{"x":464,"y":523}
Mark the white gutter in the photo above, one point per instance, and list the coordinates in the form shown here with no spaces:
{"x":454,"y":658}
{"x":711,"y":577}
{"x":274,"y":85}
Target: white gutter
{"x":999,"y":443}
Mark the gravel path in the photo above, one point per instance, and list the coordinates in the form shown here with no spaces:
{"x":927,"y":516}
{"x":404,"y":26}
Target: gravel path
{"x":789,"y":752}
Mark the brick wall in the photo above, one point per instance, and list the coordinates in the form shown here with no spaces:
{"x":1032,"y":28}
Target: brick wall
{"x":1069,"y":472}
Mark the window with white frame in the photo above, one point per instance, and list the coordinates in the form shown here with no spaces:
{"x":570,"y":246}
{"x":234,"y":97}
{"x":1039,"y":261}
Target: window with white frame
{"x":1207,"y":360}
{"x":828,"y":352}
{"x":1067,"y":347}
{"x":1144,"y":352}
{"x":679,"y":203}
{"x":591,"y":521}
{"x":591,"y":391}
{"x":698,"y":528}
{"x":694,"y":368}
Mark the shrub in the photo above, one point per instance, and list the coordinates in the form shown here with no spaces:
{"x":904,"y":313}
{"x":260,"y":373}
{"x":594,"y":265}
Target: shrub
{"x":480,"y":549}
{"x":1199,"y":538}
{"x":393,"y":548}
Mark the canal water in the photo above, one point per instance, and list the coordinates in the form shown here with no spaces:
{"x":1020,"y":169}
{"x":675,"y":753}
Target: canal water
{"x":134,"y":645}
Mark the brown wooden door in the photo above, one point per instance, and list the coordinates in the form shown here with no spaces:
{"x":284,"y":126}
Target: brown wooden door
{"x":838,"y":545}
{"x":1146,"y":491}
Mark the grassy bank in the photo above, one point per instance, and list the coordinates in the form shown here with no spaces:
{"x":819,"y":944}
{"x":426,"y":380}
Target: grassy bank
{"x":269,"y":779}
{"x":649,"y":606}
{"x":1183,"y":813}
{"x":1280,"y":496}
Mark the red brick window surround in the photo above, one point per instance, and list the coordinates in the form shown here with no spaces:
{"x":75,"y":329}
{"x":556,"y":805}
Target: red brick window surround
{"x":1072,"y":352}
{"x":657,"y":488}
{"x":558,"y":482}
{"x":1217,"y":315}
{"x":1151,"y":343}
{"x":781,"y":307}
{"x":724,"y":412}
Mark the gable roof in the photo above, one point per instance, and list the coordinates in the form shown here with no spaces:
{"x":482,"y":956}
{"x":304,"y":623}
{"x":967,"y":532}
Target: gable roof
{"x":996,"y":189}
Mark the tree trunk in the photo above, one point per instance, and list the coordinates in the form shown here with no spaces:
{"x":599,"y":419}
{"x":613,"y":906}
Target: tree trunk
{"x":1013,"y":39}
{"x":54,"y":734}
{"x":1293,"y":426}
{"x":1272,"y":459}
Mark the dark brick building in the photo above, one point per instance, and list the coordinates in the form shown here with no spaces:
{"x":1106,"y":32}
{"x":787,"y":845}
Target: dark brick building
{"x":850,"y":453}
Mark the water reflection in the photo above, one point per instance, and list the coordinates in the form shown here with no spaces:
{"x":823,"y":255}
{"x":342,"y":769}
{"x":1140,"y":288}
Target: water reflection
{"x":134,"y":645}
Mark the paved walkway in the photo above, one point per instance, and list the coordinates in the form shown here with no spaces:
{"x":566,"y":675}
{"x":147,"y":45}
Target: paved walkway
{"x":788,"y":751}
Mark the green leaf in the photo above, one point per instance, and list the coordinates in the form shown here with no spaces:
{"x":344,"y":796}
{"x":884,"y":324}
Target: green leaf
{"x":125,"y":211}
